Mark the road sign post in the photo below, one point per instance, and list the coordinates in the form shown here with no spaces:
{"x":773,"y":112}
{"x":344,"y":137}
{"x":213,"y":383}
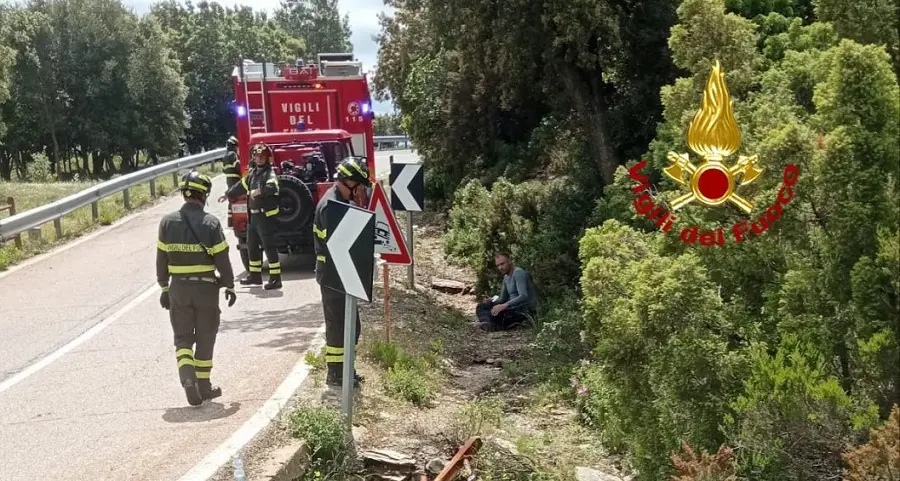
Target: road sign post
{"x":408,"y":194}
{"x":349,"y":269}
{"x":349,"y":357}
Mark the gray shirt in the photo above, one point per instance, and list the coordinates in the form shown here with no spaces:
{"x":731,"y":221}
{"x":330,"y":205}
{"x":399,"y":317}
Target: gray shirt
{"x":518,"y":291}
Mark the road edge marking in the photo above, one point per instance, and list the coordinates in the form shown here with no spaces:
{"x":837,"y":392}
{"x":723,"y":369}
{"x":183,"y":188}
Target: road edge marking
{"x":263,"y":417}
{"x":83,"y":337}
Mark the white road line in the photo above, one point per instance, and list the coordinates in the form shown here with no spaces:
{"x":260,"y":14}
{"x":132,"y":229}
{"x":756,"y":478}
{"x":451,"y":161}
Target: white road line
{"x":268,"y":412}
{"x":28,"y":371}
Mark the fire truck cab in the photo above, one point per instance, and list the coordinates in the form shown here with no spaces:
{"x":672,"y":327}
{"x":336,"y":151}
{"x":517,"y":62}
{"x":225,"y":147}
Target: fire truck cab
{"x":313,"y":115}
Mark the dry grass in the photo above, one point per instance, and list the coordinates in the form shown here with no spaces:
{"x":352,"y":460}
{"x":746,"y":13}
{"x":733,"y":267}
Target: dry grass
{"x":528,"y":431}
{"x":29,"y":195}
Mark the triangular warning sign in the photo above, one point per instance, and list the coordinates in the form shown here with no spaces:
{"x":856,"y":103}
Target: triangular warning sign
{"x":389,"y":241}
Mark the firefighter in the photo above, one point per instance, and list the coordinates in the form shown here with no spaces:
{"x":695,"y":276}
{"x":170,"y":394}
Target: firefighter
{"x":351,"y":174}
{"x":231,"y":162}
{"x":261,"y":185}
{"x":190,"y":248}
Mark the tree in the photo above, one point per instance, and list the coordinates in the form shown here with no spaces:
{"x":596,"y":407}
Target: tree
{"x":160,"y":120}
{"x":318,"y":23}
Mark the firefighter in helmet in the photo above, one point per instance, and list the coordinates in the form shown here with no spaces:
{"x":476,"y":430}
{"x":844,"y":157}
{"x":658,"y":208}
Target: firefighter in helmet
{"x":351,"y":174}
{"x":190,"y":248}
{"x":261,"y":186}
{"x":231,"y":162}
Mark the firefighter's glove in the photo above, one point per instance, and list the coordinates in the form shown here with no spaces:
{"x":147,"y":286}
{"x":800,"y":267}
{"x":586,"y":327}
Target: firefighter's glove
{"x":230,"y":296}
{"x":164,"y":299}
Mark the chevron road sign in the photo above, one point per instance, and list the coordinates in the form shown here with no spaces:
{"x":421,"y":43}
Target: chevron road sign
{"x":349,"y":269}
{"x":351,"y":248}
{"x":407,"y":187}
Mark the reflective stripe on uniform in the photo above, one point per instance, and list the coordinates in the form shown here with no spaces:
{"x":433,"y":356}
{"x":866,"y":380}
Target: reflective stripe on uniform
{"x":320,"y":233}
{"x":236,"y":176}
{"x":334,"y":354}
{"x":255,"y":266}
{"x":320,"y":258}
{"x":244,"y":183}
{"x":202,"y":375}
{"x":274,"y":268}
{"x":185,"y":357}
{"x":220,"y":247}
{"x":195,"y":269}
{"x":270,"y":213}
{"x":179,"y":247}
{"x":203,"y":362}
{"x":344,"y":170}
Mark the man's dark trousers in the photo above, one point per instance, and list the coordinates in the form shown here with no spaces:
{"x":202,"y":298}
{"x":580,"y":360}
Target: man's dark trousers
{"x":502,"y":321}
{"x":262,"y":232}
{"x":194,"y":314}
{"x":334,"y":305}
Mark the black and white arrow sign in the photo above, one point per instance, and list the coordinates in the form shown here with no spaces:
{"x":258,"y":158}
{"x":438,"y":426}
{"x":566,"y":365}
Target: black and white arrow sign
{"x":351,"y":248}
{"x":407,"y":187}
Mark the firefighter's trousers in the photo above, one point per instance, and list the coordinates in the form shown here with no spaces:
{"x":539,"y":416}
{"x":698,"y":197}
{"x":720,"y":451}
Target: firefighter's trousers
{"x":333,"y":303}
{"x":262,"y":231}
{"x":194,"y":314}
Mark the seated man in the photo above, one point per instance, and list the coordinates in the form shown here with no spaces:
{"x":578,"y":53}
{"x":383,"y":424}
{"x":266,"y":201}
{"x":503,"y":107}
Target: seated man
{"x":516,"y":303}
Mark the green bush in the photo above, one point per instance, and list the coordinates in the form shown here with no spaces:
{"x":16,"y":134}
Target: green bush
{"x":660,"y":336}
{"x":793,"y":420}
{"x":324,"y":432}
{"x":411,"y":382}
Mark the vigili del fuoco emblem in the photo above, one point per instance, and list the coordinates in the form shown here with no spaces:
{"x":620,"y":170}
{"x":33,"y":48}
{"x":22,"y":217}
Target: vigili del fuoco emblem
{"x":714,"y":136}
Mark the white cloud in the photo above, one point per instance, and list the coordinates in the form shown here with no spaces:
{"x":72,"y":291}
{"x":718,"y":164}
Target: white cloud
{"x":363,"y":25}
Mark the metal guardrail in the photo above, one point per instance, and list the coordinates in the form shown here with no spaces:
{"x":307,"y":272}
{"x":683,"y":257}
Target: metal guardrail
{"x":19,"y":223}
{"x":53,"y":212}
{"x":383,"y":139}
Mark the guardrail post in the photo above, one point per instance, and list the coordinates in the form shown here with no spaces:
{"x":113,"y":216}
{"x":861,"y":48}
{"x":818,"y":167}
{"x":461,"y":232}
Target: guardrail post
{"x":175,"y":179}
{"x":152,"y":188}
{"x":57,"y":224}
{"x":12,"y":211}
{"x":127,"y":198}
{"x":95,"y":211}
{"x":34,"y":234}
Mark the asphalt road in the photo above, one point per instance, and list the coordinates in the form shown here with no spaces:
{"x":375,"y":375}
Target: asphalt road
{"x":88,"y":381}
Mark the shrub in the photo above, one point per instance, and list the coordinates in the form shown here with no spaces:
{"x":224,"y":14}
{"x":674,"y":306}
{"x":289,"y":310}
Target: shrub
{"x":659,"y":336}
{"x":410,"y":382}
{"x":323,"y":431}
{"x":793,"y":419}
{"x":879,"y":459}
{"x":706,"y":467}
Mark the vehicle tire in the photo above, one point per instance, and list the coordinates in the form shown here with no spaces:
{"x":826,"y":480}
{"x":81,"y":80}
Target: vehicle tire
{"x":297,"y":207}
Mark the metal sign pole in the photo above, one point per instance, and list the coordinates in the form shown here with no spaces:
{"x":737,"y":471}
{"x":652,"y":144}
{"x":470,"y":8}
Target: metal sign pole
{"x":410,"y":270}
{"x":349,"y":357}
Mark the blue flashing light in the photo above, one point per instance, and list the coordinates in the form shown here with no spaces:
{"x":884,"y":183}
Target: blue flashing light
{"x":364,"y":108}
{"x":301,"y":126}
{"x":241,"y":111}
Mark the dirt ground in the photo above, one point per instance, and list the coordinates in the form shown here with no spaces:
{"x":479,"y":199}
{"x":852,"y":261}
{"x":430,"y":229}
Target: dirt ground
{"x":527,"y":432}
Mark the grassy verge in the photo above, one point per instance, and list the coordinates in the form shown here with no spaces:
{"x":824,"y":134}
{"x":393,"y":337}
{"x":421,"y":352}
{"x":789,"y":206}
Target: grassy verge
{"x":440,"y":380}
{"x":29,"y":195}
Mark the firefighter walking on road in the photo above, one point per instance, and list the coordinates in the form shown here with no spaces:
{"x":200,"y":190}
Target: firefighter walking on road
{"x":261,"y":185}
{"x":231,"y":162}
{"x":351,"y":174}
{"x":190,"y":248}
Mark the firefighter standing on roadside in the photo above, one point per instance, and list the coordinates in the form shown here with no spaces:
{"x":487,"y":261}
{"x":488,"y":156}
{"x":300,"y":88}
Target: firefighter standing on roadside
{"x":351,"y":174}
{"x":261,"y":185}
{"x":190,"y":248}
{"x":231,"y":162}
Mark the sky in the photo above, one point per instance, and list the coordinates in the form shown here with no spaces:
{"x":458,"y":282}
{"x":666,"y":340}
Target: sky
{"x":363,"y":26}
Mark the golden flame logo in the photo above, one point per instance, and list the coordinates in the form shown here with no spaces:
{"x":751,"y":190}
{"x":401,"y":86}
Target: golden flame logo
{"x":714,"y":135}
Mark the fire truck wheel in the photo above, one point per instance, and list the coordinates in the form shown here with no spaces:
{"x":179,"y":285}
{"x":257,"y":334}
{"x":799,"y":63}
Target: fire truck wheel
{"x":297,"y":205}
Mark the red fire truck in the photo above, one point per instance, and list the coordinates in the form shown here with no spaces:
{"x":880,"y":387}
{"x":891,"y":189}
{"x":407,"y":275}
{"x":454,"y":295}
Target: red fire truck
{"x":313,"y":115}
